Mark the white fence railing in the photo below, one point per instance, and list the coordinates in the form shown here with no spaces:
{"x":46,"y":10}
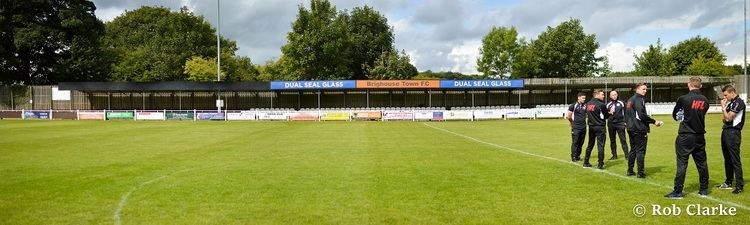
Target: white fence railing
{"x":337,"y":114}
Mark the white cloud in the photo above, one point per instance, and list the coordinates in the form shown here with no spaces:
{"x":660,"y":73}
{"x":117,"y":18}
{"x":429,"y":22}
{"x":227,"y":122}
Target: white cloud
{"x":189,"y":4}
{"x":621,"y":56}
{"x":108,"y":14}
{"x":734,"y":50}
{"x":464,"y":57}
{"x":401,"y":25}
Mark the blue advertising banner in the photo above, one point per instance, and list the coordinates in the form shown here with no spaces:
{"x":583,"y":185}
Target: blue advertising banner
{"x":320,"y":84}
{"x":36,"y":115}
{"x":501,"y":84}
{"x":211,"y":116}
{"x":437,"y":115}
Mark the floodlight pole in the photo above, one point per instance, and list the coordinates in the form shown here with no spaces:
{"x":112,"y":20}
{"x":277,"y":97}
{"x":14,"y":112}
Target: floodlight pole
{"x":744,"y":65}
{"x":218,"y":55}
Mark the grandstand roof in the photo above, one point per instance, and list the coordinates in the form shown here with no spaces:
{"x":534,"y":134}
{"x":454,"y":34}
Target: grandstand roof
{"x":528,"y":84}
{"x":163,"y":86}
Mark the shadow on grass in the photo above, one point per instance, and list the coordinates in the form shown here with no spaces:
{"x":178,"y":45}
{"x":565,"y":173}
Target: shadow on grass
{"x":654,"y":169}
{"x":612,"y":163}
{"x":692,"y":184}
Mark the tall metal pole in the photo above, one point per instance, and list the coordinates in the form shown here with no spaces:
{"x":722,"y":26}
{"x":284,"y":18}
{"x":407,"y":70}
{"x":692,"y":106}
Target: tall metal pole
{"x":566,"y":92}
{"x":744,"y":65}
{"x":218,"y":41}
{"x":12,"y":104}
{"x":218,"y":54}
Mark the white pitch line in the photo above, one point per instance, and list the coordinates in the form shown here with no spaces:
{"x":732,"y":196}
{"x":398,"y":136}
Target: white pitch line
{"x":640,"y":180}
{"x":124,"y":199}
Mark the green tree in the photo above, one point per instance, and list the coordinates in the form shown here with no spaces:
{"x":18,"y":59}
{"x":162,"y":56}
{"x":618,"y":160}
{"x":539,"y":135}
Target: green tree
{"x":499,"y":49}
{"x":319,"y":47}
{"x":429,"y":75}
{"x":236,"y":68}
{"x":232,"y":69}
{"x":45,"y":42}
{"x":270,"y":71}
{"x":153,"y":43}
{"x":525,"y":64}
{"x":655,"y":61}
{"x":604,"y":69}
{"x":737,"y":69}
{"x":201,"y":69}
{"x":370,"y":36}
{"x":392,"y":65}
{"x":688,"y":50}
{"x":241,"y":68}
{"x":562,"y":51}
{"x":708,"y":67}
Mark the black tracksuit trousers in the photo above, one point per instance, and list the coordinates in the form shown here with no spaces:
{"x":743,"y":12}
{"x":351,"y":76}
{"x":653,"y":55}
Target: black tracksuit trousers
{"x":616,"y":131}
{"x":638,"y":142}
{"x":596,"y":133}
{"x":685,"y":146}
{"x":578,"y":135}
{"x":730,"y":147}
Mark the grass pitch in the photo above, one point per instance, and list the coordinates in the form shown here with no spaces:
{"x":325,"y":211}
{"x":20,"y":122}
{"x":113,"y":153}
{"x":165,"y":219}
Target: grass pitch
{"x":491,"y":172}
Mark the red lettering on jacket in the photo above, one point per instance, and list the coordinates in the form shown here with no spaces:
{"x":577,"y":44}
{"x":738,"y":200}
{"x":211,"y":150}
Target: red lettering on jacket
{"x":698,"y":105}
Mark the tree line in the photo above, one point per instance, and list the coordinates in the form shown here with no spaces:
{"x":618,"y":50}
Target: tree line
{"x":566,"y":51}
{"x":46,"y":42}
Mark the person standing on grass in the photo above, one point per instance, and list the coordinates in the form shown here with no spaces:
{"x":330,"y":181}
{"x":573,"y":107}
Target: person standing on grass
{"x":637,"y":122}
{"x":733,"y":109}
{"x":690,"y":111}
{"x":577,"y":118}
{"x":616,"y":124}
{"x":597,"y":116}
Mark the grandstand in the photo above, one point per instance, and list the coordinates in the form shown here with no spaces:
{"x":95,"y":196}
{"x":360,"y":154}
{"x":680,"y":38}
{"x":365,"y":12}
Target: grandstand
{"x":331,"y":100}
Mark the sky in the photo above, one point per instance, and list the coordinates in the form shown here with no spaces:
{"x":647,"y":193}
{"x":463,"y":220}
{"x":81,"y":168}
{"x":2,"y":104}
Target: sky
{"x":445,"y":35}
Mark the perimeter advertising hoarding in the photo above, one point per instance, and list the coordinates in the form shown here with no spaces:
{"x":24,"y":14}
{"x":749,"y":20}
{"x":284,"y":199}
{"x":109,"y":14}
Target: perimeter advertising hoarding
{"x":488,"y":114}
{"x":520,"y":113}
{"x":120,"y":115}
{"x":44,"y":115}
{"x":437,"y":116}
{"x":335,"y":116}
{"x":211,"y":116}
{"x":398,"y":115}
{"x":471,"y":84}
{"x":318,"y":84}
{"x":303,"y":116}
{"x":558,"y":112}
{"x":458,"y":115}
{"x":372,"y":115}
{"x":428,"y":115}
{"x":272,"y":115}
{"x":242,"y":115}
{"x":149,"y":116}
{"x":180,"y":115}
{"x":423,"y":115}
{"x":90,"y":115}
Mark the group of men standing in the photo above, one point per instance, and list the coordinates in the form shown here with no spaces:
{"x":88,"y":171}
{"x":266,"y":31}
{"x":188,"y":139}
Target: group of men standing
{"x":617,"y":118}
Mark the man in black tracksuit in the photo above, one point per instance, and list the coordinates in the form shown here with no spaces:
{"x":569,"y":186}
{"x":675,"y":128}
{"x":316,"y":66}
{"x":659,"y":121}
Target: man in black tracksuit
{"x":616,"y":124}
{"x":577,"y":118}
{"x":731,"y":136}
{"x":597,"y":114}
{"x":637,"y":121}
{"x":690,"y":137}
